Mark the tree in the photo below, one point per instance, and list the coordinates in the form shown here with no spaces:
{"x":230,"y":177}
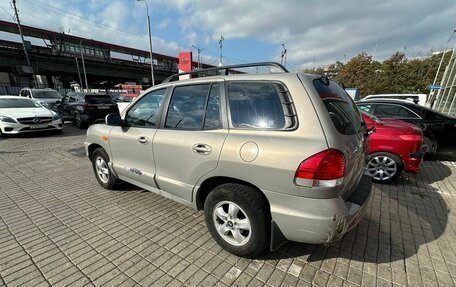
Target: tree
{"x":359,"y":72}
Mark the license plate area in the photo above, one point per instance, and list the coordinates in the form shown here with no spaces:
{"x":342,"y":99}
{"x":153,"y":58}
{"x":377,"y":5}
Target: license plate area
{"x":40,"y":126}
{"x":103,"y":107}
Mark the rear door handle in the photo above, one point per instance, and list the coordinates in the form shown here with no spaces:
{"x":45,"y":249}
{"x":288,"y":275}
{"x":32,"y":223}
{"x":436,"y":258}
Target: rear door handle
{"x":143,"y":140}
{"x":202,"y":149}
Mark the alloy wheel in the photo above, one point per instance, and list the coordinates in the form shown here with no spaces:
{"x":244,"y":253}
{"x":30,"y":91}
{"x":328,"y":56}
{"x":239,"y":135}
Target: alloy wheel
{"x":382,"y":168}
{"x":102,"y":169}
{"x":232,"y":223}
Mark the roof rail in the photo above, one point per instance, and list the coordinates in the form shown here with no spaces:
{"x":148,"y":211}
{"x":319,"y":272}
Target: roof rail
{"x":224,"y":70}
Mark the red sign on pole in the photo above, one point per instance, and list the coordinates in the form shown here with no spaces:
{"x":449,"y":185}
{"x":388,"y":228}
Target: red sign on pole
{"x":185,"y":64}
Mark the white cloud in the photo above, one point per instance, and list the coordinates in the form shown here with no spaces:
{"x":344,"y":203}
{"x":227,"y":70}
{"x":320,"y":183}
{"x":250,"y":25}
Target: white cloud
{"x":326,"y":30}
{"x":315,"y":32}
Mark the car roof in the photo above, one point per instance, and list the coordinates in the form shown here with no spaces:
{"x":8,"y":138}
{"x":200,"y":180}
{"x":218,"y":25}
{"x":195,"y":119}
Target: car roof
{"x":395,"y":101}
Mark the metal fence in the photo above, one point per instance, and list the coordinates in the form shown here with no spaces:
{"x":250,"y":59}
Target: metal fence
{"x":446,"y":96}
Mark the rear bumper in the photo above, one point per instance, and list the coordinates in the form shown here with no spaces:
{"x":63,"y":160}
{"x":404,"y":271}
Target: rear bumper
{"x":319,"y":221}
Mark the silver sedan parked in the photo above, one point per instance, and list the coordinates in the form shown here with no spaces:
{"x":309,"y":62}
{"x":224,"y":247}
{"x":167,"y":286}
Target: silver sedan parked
{"x":23,"y":115}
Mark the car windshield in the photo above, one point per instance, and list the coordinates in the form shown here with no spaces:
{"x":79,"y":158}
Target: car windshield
{"x":18,"y":103}
{"x":46,"y":95}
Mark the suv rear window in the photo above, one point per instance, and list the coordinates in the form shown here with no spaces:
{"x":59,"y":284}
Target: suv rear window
{"x":96,"y":99}
{"x":341,"y":108}
{"x":260,"y":105}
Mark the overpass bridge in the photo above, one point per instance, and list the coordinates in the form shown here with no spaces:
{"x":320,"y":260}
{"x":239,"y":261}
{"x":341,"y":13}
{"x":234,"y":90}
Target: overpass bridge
{"x":59,"y":59}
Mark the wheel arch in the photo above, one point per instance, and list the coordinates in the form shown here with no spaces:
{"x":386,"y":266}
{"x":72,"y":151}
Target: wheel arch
{"x":92,"y":149}
{"x":210,"y":183}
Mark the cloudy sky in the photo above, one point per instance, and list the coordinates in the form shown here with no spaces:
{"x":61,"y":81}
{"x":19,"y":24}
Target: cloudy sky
{"x":315,"y":32}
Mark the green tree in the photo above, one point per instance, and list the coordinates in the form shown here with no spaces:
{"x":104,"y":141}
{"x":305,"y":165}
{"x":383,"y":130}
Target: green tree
{"x":359,"y":72}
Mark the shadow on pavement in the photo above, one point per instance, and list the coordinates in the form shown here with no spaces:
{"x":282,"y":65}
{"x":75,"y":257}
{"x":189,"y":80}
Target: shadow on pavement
{"x":400,"y":219}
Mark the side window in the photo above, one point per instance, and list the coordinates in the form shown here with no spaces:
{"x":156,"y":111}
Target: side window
{"x":387,"y":111}
{"x":145,"y":111}
{"x":28,"y":94}
{"x":365,"y":108}
{"x":187,"y":107}
{"x":23,"y":93}
{"x":260,"y":105}
{"x":71,"y":99}
{"x":407,"y":114}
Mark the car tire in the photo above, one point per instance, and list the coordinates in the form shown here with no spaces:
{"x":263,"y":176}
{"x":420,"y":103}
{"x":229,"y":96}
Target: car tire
{"x":430,"y":145}
{"x":101,"y":169}
{"x":78,"y":121}
{"x":238,"y":219}
{"x":384,"y":167}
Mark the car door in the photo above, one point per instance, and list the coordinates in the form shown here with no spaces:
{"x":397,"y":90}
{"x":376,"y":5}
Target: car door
{"x":131,"y":145}
{"x":191,"y":138}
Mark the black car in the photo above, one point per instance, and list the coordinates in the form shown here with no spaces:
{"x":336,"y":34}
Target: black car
{"x":439,"y":129}
{"x":85,"y":108}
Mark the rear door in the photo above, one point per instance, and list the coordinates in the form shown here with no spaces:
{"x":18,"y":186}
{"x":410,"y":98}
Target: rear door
{"x":131,"y":145}
{"x":191,"y":138}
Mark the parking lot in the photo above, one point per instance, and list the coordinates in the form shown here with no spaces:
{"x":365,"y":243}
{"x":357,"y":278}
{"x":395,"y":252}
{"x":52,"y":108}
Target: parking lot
{"x":59,"y":227}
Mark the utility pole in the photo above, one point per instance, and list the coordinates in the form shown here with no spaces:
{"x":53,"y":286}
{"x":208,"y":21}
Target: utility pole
{"x":198,"y":49}
{"x":221,"y":47}
{"x":284,"y":55}
{"x":83,"y":65}
{"x":79,"y":73}
{"x":22,"y":37}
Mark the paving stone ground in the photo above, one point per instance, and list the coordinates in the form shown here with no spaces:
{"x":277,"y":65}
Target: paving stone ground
{"x":59,"y":227}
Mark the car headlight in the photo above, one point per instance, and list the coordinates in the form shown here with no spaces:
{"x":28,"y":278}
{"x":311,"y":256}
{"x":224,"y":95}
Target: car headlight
{"x":56,"y":117}
{"x":7,"y":119}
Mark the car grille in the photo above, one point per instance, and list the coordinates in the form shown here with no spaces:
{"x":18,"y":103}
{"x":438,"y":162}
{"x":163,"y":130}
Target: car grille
{"x":35,"y":120}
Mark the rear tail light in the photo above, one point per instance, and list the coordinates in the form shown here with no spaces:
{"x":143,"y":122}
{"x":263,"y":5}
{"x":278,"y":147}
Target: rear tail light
{"x":326,"y":168}
{"x":411,"y":137}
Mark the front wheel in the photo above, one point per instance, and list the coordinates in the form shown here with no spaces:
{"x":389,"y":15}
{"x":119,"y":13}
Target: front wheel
{"x":238,"y":219}
{"x":384,"y":167}
{"x":103,"y":174}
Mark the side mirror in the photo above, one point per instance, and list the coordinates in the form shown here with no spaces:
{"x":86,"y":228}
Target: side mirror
{"x":113,"y":120}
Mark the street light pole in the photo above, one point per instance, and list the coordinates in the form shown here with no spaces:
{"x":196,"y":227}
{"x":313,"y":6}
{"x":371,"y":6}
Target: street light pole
{"x":150,"y":44}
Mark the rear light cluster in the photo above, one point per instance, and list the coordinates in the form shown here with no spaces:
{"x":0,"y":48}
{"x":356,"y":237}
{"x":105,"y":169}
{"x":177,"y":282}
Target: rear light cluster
{"x":324,"y":169}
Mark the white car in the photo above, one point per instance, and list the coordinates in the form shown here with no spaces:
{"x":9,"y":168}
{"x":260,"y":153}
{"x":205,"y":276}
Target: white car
{"x":22,"y":115}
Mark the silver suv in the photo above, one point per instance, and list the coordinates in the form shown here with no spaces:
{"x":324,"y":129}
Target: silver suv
{"x":269,"y":157}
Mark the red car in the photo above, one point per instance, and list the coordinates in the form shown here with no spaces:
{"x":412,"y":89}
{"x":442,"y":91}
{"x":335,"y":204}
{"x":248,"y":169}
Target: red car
{"x":395,"y":146}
